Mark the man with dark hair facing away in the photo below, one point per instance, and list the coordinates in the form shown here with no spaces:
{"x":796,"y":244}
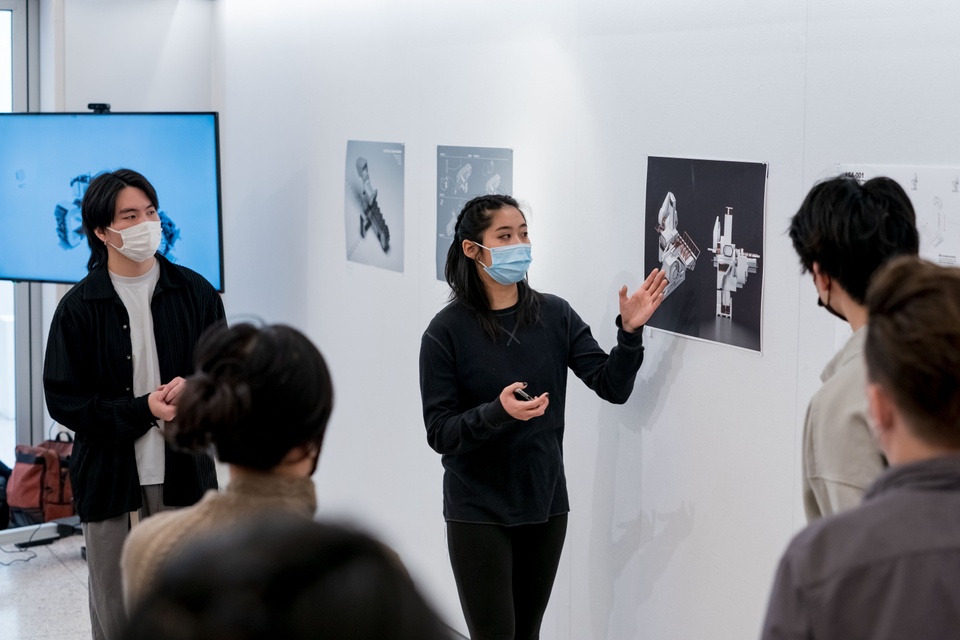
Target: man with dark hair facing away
{"x":843,"y":232}
{"x":890,"y":568}
{"x":120,"y":341}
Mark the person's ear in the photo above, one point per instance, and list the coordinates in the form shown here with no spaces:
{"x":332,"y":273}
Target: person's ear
{"x":820,"y":279}
{"x":297,"y":454}
{"x":470,"y":249}
{"x":101,"y":233}
{"x":880,"y":409}
{"x":300,"y":461}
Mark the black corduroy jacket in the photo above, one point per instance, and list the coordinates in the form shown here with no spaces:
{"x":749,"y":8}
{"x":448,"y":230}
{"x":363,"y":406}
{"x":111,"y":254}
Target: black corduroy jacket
{"x":88,"y":382}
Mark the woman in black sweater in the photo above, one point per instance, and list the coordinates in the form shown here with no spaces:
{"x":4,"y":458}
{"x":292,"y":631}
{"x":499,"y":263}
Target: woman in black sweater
{"x":493,"y":378}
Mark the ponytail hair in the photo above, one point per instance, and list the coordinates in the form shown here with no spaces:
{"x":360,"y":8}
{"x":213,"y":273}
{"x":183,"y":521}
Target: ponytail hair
{"x":257,"y":393}
{"x":461,"y":273}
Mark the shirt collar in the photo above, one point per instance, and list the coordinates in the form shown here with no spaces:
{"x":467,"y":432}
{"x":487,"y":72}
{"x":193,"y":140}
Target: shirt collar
{"x":936,"y":474}
{"x":852,"y":349}
{"x":99,"y":286}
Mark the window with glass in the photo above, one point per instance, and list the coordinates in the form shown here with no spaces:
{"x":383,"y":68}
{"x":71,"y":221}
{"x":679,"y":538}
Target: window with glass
{"x":7,"y":376}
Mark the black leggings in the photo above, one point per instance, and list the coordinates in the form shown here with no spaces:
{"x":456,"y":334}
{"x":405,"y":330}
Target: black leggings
{"x":505,"y":574}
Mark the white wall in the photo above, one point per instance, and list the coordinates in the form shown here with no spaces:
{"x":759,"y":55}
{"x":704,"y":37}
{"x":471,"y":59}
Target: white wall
{"x":683,"y":498}
{"x":137,"y":56}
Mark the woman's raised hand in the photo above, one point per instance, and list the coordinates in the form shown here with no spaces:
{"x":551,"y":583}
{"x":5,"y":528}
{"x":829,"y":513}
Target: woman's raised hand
{"x":637,"y":309}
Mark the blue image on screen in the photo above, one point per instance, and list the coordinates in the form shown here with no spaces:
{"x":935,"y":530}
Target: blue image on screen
{"x":47,"y":160}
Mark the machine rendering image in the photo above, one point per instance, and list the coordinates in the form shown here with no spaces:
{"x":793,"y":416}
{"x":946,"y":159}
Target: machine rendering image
{"x":371,"y":216}
{"x":678,"y":253}
{"x":493,"y":184}
{"x":733,"y":264}
{"x":941,"y":232}
{"x":169,"y":235}
{"x":67,"y":214}
{"x":463,"y":178}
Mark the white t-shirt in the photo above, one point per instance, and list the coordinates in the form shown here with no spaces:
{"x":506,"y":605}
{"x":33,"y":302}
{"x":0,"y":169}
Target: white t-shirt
{"x":136,"y":293}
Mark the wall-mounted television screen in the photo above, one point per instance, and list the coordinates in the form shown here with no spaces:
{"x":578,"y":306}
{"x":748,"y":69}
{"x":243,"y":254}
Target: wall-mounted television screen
{"x":48,"y":159}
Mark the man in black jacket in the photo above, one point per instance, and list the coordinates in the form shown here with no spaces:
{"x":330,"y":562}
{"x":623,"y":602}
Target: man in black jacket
{"x":120,"y":343}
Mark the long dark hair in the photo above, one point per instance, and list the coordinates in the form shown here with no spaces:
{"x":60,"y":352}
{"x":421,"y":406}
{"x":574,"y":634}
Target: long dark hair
{"x":466,"y":287}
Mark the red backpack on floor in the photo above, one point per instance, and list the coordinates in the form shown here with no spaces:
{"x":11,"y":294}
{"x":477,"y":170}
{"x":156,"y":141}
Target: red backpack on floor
{"x":39,"y":488}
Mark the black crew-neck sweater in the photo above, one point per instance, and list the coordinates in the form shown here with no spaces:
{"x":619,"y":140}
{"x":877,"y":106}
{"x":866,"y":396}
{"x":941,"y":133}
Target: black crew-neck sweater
{"x":499,"y":470}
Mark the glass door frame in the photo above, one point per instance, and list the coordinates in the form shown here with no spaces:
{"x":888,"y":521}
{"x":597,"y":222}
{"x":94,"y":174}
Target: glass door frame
{"x":28,"y":326}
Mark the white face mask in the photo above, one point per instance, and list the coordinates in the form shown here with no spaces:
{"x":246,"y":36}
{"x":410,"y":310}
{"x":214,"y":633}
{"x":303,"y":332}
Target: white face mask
{"x":140,"y":241}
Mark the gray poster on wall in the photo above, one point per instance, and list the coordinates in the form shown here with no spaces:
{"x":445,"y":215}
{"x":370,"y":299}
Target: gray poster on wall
{"x":373,"y":204}
{"x":704,"y":226}
{"x":464,"y":173}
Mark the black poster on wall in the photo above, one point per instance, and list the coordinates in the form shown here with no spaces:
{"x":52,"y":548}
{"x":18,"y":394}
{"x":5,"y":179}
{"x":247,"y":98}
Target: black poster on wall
{"x":704,"y":225}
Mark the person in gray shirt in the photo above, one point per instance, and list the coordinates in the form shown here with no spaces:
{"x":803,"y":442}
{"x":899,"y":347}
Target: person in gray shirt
{"x":890,"y":568}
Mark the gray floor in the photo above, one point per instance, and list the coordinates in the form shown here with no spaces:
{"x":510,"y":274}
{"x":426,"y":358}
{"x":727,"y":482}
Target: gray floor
{"x":43,"y":592}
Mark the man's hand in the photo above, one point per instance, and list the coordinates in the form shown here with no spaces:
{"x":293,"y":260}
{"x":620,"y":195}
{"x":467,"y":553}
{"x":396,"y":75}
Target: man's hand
{"x":160,"y":409}
{"x":170,"y":392}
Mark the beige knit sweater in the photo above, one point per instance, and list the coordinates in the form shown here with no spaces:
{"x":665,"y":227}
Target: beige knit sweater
{"x":247,"y":496}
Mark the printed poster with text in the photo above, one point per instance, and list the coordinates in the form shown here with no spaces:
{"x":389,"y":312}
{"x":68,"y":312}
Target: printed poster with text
{"x":462,"y":174}
{"x":935,"y":194}
{"x":373,"y":204}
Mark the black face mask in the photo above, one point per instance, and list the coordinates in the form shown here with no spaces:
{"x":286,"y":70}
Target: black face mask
{"x":827,"y":306}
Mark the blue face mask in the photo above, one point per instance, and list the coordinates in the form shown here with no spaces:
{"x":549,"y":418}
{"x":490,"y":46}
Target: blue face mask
{"x":509,"y":264}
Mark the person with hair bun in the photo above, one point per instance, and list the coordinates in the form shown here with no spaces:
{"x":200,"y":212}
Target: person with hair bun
{"x":260,"y":398}
{"x":493,"y":381}
{"x":890,"y":567}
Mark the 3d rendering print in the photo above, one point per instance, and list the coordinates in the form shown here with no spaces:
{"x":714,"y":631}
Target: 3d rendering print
{"x":678,"y":253}
{"x":371,"y":216}
{"x":373,"y":204}
{"x":733,"y":264}
{"x":692,"y":204}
